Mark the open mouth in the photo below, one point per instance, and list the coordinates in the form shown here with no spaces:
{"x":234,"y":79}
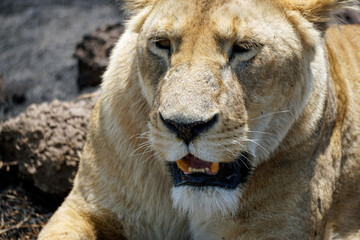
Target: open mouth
{"x":193,"y":171}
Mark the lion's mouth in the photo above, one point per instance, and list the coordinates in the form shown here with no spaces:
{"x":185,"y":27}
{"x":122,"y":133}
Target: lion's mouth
{"x":193,"y":171}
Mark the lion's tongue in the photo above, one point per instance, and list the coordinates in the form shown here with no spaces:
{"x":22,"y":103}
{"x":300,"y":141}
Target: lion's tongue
{"x":191,"y":164}
{"x":197,"y":162}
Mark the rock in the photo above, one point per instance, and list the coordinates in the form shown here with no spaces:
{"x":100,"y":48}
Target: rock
{"x":45,"y":142}
{"x":93,"y":52}
{"x":11,"y":95}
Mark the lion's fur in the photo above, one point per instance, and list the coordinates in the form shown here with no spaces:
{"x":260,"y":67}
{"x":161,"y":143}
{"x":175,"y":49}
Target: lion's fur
{"x":294,"y":107}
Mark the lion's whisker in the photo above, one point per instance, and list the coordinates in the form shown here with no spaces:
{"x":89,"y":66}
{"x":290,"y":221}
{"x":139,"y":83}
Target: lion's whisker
{"x":268,"y":114}
{"x":267,"y":133}
{"x":235,"y":155}
{"x":246,"y":159}
{"x":150,"y":157}
{"x":237,"y":142}
{"x":256,"y":143}
{"x":141,"y":146}
{"x":140,"y":135}
{"x":144,"y":152}
{"x":147,"y":137}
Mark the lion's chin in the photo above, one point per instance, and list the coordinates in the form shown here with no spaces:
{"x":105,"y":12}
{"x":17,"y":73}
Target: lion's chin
{"x":208,"y":189}
{"x":206,"y":202}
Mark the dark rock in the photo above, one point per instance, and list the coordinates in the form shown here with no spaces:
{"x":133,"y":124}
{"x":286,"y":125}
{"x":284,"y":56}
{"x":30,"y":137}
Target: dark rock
{"x":45,"y":142}
{"x":2,"y":90}
{"x":11,"y":95}
{"x":93,"y":52}
{"x":19,"y":98}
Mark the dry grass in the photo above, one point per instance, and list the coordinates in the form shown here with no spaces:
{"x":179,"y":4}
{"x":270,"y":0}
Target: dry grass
{"x":23,"y":208}
{"x":19,"y":218}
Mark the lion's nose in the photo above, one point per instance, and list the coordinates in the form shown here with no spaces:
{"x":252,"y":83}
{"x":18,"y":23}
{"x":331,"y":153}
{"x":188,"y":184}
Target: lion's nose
{"x":188,"y":130}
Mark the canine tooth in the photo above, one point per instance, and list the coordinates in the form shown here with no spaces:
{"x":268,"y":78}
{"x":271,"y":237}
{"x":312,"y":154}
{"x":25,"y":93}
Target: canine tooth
{"x":191,"y":170}
{"x":214,"y":168}
{"x":183,"y":165}
{"x":207,"y":169}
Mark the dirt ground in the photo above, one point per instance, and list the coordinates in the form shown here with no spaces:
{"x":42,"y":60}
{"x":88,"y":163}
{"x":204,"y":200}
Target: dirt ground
{"x":37,"y":43}
{"x":23,"y":208}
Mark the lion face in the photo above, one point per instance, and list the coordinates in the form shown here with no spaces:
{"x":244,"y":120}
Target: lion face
{"x":225,"y":83}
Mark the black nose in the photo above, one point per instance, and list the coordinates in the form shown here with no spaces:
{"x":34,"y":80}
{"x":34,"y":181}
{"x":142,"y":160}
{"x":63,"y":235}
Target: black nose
{"x":188,"y":131}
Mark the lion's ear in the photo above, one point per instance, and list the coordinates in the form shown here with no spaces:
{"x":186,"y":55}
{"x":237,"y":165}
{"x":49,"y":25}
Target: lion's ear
{"x":134,"y":6}
{"x":320,"y":12}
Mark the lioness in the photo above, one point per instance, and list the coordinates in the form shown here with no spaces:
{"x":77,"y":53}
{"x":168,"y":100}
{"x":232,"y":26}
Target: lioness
{"x":223,"y":119}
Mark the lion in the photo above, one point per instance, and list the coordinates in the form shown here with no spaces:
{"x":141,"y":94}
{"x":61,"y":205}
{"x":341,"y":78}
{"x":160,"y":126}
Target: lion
{"x":223,"y":119}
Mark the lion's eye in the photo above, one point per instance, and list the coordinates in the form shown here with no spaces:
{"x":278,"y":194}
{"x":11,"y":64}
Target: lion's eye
{"x":243,"y":51}
{"x":238,"y":49}
{"x":163,"y":44}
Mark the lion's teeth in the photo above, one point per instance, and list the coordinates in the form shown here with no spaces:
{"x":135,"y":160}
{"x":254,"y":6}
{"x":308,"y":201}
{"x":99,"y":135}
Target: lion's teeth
{"x":183,"y":165}
{"x":189,"y":160}
{"x":214,"y":168}
{"x":198,"y":170}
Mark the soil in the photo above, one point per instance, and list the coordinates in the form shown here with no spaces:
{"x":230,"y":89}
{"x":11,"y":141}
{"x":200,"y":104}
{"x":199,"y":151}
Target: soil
{"x":37,"y":44}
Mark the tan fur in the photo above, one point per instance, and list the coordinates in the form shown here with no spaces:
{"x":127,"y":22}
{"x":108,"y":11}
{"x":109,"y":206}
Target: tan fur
{"x":292,"y":102}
